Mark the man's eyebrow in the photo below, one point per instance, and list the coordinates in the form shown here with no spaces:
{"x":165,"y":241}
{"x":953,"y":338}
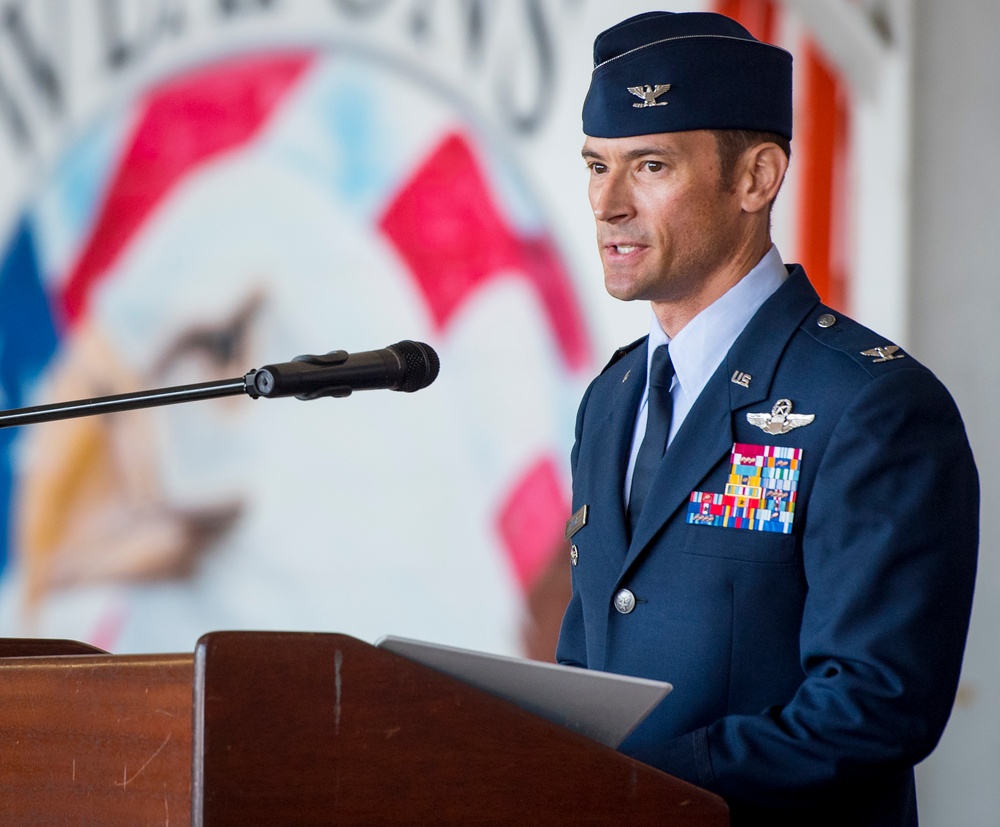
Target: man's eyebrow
{"x":634,"y":154}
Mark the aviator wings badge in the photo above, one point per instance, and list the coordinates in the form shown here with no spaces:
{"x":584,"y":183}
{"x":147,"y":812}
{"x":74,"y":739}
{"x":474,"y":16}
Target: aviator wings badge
{"x":781,"y":420}
{"x":649,"y":94}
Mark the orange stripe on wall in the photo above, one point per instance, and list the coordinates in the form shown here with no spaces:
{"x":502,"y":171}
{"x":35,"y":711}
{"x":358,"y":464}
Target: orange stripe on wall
{"x":820,"y":150}
{"x":821,"y":134}
{"x":756,"y":16}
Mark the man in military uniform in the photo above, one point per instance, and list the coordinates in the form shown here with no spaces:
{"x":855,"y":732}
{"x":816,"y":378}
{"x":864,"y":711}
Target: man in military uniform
{"x":776,"y":510}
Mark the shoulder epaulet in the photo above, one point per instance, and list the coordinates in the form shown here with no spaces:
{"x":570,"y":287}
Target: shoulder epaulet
{"x":624,"y":351}
{"x":856,"y":341}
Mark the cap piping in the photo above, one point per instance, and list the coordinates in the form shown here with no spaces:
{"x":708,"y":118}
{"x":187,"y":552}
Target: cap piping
{"x":688,"y":37}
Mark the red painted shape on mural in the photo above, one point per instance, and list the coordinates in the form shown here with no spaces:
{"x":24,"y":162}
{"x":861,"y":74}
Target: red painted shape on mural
{"x":185,"y":122}
{"x":531,"y":520}
{"x":446,"y":226}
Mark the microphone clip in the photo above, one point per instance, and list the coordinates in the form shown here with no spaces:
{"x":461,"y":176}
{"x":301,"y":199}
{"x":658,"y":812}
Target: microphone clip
{"x":305,"y":377}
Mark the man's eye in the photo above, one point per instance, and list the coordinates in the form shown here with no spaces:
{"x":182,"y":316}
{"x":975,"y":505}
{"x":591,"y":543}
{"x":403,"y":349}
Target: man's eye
{"x":596,"y":168}
{"x":654,"y":166}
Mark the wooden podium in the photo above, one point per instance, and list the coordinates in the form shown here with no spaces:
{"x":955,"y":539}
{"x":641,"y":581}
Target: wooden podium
{"x":288,"y":730}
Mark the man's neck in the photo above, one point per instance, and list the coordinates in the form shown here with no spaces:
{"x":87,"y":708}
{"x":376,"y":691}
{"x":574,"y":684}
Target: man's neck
{"x":674,"y":315}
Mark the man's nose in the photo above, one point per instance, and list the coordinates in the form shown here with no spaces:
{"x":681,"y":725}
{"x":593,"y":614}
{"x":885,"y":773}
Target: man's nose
{"x":611,"y":198}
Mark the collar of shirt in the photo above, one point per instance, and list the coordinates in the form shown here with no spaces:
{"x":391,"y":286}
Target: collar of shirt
{"x":698,"y":350}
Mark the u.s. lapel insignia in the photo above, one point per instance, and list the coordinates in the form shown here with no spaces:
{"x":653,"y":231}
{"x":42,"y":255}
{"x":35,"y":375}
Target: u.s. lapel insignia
{"x":884,"y":354}
{"x":649,"y":94}
{"x":742,"y":379}
{"x":781,"y":420}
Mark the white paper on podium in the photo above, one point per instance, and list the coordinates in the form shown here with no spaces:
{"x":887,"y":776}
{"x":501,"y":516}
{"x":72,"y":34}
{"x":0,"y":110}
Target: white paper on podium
{"x":600,"y":705}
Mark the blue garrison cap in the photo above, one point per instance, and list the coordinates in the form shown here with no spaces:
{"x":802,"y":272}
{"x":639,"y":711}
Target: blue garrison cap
{"x":671,"y":72}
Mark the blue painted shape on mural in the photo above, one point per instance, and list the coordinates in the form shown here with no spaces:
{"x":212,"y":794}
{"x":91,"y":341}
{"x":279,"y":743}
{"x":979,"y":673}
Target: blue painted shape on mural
{"x":334,"y":137}
{"x":28,"y":340}
{"x":350,"y":121}
{"x":66,"y":207}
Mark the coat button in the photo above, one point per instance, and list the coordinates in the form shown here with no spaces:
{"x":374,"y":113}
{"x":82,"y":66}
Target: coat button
{"x":624,"y":601}
{"x":826,"y":320}
{"x":574,"y":554}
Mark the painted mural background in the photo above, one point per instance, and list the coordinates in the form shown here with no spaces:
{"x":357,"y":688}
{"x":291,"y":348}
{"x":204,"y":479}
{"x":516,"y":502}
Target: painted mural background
{"x":201,"y":188}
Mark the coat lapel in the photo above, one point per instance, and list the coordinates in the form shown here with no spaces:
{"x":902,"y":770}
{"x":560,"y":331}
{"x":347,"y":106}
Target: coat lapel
{"x":629,"y":377}
{"x":706,"y":435}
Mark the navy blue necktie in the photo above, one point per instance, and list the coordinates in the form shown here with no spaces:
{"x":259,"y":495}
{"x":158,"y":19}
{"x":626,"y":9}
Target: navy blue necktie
{"x":659,"y":411}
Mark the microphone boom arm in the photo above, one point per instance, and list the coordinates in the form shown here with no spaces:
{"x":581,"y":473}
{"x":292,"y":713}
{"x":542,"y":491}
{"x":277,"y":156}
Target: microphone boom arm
{"x":123,"y":402}
{"x":405,"y":366}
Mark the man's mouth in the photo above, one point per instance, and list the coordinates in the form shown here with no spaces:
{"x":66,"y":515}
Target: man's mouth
{"x":623,"y":249}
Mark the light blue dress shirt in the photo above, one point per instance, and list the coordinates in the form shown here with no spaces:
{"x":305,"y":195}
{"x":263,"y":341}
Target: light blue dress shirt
{"x":699,"y":348}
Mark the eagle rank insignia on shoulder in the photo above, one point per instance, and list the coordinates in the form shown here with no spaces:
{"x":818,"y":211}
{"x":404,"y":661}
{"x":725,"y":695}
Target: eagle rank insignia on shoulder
{"x":781,"y":420}
{"x":884,"y":354}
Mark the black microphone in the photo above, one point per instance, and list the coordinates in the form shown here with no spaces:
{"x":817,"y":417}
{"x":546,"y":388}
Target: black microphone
{"x":405,"y":366}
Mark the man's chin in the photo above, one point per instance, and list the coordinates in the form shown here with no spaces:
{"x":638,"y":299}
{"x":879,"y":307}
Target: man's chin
{"x":625,"y":292}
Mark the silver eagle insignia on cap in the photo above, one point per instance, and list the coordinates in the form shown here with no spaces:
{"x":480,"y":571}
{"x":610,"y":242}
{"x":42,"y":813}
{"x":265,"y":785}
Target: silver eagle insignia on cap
{"x":781,"y":420}
{"x":884,"y":354}
{"x":649,"y":94}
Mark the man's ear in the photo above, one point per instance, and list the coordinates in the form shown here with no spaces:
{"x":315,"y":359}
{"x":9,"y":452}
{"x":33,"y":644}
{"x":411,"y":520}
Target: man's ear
{"x":764,"y":167}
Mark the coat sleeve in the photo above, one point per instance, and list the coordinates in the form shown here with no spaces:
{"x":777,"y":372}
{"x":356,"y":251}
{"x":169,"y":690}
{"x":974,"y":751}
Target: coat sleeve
{"x":571,"y":649}
{"x":889,"y":554}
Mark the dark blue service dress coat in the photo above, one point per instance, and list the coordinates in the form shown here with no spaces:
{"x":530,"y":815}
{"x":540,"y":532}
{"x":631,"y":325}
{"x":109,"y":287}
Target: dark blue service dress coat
{"x":812,"y":669}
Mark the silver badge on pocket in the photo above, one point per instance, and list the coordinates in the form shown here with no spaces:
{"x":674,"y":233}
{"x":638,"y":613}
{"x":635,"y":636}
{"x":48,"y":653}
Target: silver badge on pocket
{"x":781,"y":420}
